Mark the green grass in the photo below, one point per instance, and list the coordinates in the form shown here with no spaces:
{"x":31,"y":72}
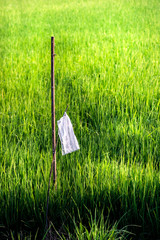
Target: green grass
{"x":107,"y":70}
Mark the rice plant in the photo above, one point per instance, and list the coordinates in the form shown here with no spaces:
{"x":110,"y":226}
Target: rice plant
{"x":107,"y":70}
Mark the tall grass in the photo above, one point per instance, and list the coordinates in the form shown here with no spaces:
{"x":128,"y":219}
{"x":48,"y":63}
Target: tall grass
{"x":107,"y":70}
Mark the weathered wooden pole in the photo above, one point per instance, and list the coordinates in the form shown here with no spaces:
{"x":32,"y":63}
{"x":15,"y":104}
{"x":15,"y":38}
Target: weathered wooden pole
{"x":53,"y":110}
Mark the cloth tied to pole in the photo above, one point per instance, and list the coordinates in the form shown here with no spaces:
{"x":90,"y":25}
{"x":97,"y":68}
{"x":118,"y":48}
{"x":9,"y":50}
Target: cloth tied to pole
{"x":66,"y":134}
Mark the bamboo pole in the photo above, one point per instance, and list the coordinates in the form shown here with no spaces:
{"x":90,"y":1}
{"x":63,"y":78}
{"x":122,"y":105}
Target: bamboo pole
{"x":53,"y":110}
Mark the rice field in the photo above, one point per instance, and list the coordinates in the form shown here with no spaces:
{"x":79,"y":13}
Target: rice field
{"x":107,"y":69}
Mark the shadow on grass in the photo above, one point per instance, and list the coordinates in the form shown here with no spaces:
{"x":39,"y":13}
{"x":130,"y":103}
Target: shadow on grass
{"x":70,"y":211}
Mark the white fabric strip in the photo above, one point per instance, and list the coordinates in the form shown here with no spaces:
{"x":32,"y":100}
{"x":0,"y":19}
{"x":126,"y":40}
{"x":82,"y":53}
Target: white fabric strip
{"x":66,"y":134}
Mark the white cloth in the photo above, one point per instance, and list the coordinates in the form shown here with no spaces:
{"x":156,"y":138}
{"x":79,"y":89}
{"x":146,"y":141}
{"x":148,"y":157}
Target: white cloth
{"x":68,"y":139}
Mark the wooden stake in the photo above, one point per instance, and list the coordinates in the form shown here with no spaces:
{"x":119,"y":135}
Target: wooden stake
{"x":53,"y":110}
